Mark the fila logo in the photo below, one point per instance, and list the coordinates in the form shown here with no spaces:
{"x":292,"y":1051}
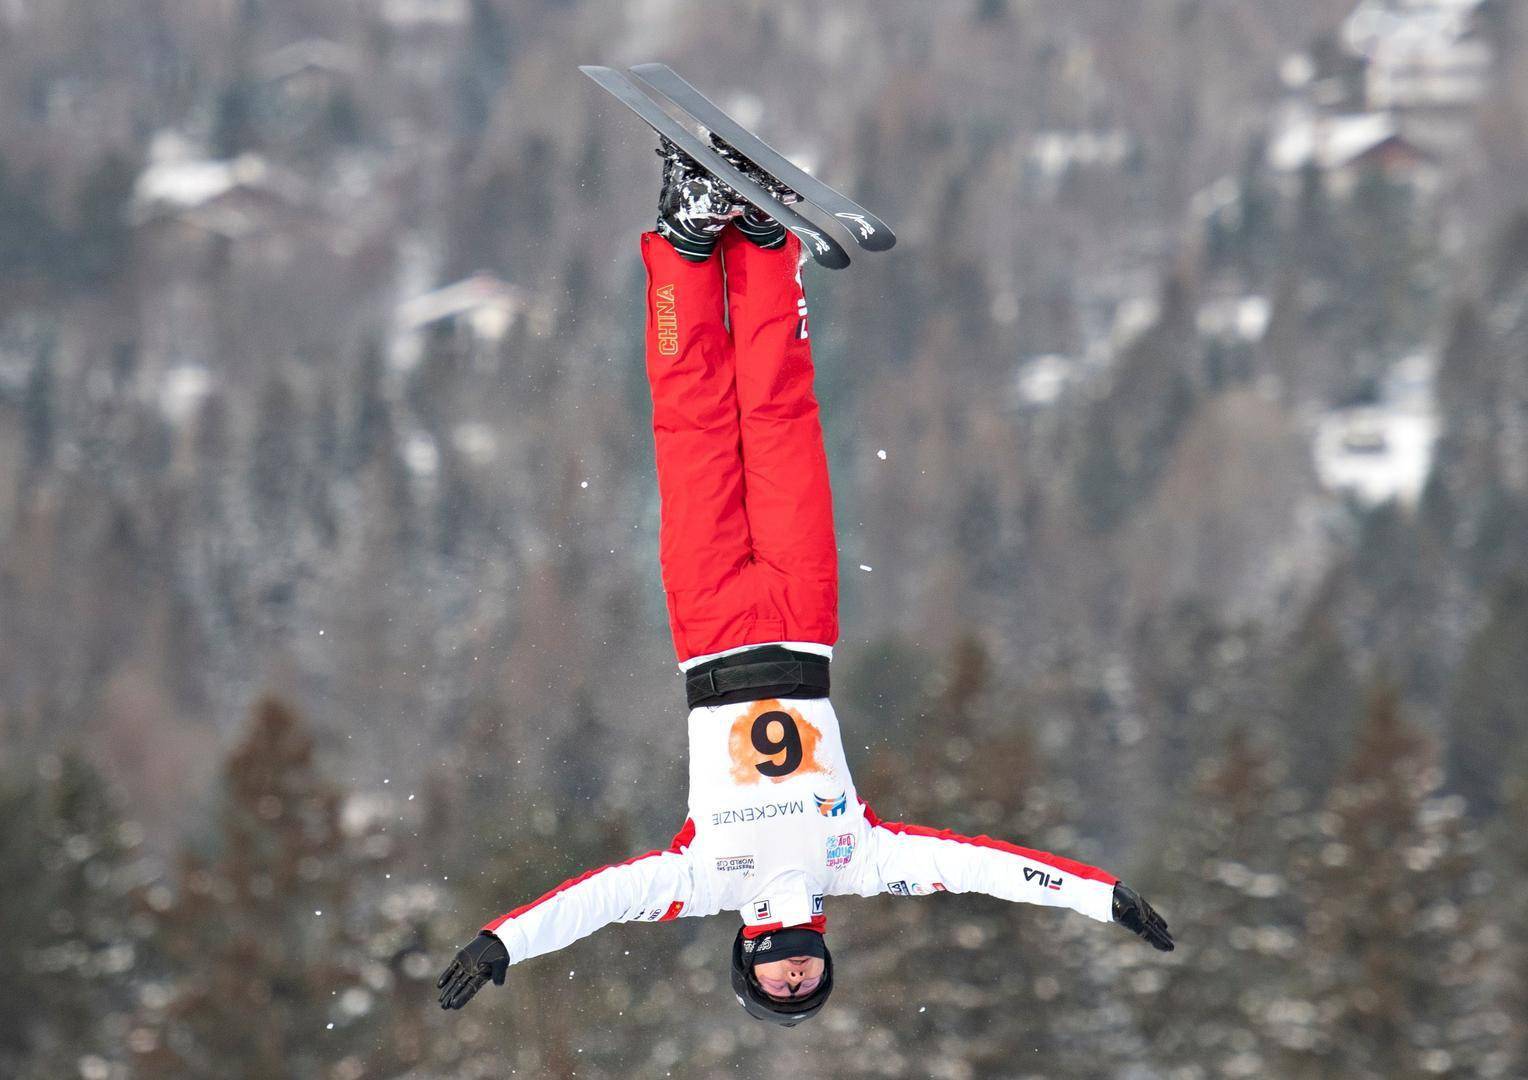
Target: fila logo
{"x":817,"y":903}
{"x":801,"y":319}
{"x":666,"y":321}
{"x":761,"y":909}
{"x":1048,"y":881}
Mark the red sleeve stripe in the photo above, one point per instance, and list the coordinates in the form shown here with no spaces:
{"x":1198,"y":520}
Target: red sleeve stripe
{"x":680,"y":842}
{"x":1069,"y":866}
{"x":683,"y":837}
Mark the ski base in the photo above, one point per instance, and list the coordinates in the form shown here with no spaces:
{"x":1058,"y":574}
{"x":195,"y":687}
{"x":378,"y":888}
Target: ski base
{"x":869,"y":231}
{"x":822,"y":247}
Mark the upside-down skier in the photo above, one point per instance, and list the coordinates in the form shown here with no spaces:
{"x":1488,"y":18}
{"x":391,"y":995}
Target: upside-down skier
{"x":750,"y":570}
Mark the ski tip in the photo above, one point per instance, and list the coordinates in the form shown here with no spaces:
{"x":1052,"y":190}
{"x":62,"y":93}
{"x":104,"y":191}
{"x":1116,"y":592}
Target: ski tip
{"x":869,"y":231}
{"x":824,"y":252}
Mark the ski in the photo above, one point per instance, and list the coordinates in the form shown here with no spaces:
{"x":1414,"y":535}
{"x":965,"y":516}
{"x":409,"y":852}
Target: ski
{"x":823,"y":248}
{"x":869,"y":231}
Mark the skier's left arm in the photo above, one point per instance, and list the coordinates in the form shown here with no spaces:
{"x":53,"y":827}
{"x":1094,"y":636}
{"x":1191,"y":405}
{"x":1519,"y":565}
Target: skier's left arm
{"x":910,"y":860}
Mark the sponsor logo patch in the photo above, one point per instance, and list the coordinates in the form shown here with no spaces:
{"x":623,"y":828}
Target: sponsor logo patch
{"x":726,"y":864}
{"x":840,"y":850}
{"x":832,"y":806}
{"x":761,"y":909}
{"x":817,"y":903}
{"x":900,"y":888}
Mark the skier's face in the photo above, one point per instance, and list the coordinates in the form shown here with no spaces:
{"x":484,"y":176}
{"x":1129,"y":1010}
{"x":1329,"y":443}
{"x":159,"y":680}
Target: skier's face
{"x":795,"y":976}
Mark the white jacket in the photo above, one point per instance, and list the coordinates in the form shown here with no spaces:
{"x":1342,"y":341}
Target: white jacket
{"x":775,"y":826}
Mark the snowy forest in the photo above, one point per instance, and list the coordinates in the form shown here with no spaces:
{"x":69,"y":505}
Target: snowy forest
{"x":1180,"y":462}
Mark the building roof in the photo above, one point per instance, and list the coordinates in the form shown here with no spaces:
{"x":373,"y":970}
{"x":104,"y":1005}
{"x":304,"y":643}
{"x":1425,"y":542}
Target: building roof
{"x":1332,"y":142}
{"x":310,"y":54}
{"x":482,"y":298}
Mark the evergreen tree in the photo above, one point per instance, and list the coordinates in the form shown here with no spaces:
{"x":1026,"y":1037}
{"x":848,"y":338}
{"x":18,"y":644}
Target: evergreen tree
{"x":1488,"y":713}
{"x":71,"y":944}
{"x":1394,"y":953}
{"x":963,"y":980}
{"x":260,"y":942}
{"x":103,"y":234}
{"x":233,"y":124}
{"x":38,"y":410}
{"x":276,"y":458}
{"x":1219,"y":1005}
{"x":1510,"y":850}
{"x":371,"y":420}
{"x":1322,"y":704}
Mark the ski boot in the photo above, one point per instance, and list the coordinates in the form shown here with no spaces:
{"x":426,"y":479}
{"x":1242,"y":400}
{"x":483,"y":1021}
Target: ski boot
{"x":693,"y":206}
{"x":755,"y":224}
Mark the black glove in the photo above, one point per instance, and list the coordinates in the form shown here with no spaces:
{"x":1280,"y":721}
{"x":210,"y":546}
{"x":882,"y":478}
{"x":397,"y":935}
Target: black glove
{"x":1137,"y":916}
{"x":482,"y":958}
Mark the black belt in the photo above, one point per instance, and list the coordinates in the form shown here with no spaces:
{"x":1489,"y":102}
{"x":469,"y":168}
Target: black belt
{"x":770,"y":671}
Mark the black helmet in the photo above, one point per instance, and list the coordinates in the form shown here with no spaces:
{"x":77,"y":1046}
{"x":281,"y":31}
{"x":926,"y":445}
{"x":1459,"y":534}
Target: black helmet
{"x":751,"y":996}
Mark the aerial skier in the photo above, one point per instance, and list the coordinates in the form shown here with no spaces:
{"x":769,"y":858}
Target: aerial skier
{"x":750,"y":570}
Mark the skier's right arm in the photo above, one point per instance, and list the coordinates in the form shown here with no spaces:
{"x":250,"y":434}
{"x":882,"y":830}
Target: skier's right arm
{"x":654,"y":887}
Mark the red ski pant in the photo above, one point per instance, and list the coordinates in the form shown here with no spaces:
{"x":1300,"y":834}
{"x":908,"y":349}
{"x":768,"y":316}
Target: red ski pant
{"x":746,"y":538}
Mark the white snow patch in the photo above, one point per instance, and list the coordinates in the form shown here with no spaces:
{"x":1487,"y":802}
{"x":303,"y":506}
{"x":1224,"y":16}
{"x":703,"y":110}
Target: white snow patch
{"x":182,"y":391}
{"x":1042,"y":379}
{"x":1383,"y":451}
{"x":1132,"y":318}
{"x":1005,"y":309}
{"x":1329,"y":141}
{"x":1234,"y":318}
{"x":1053,"y":152}
{"x":484,"y":303}
{"x":865,"y":568}
{"x":1223,"y":195}
{"x":881,"y":454}
{"x":426,"y":13}
{"x":355,"y":1001}
{"x":476,"y":442}
{"x":1296,"y":71}
{"x":420,"y":455}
